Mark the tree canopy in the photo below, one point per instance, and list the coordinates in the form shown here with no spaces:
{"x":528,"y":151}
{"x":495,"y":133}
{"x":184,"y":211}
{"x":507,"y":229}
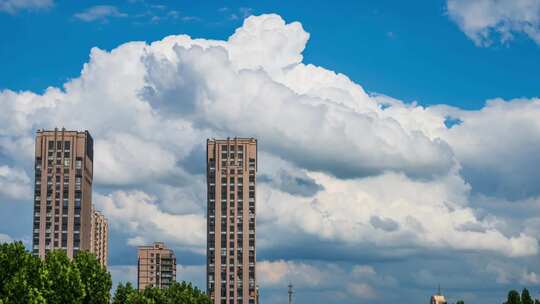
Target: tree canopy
{"x":26,"y":279}
{"x":525,"y":298}
{"x":177,"y":293}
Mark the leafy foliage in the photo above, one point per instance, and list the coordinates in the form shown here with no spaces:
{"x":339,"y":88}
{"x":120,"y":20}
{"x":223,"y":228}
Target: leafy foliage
{"x":525,"y":298}
{"x":123,"y":292}
{"x":97,"y":283}
{"x":65,"y":280}
{"x":513,"y":297}
{"x":177,"y":293}
{"x":25,"y":278}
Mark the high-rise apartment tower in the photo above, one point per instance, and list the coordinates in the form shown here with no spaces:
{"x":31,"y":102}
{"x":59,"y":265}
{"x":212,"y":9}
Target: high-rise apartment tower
{"x":64,"y":217}
{"x":100,"y":235}
{"x":156,"y":266}
{"x":231,"y":256}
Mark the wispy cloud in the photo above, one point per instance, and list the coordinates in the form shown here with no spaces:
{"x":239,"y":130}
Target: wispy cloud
{"x":486,"y":20}
{"x":190,"y":18}
{"x":240,"y":13}
{"x":100,"y":13}
{"x":158,"y":6}
{"x":245,"y":11}
{"x":157,"y":13}
{"x":14,"y":6}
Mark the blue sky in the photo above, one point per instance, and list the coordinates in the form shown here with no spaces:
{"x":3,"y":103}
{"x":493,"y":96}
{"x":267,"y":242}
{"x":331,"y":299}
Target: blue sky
{"x":363,"y":195}
{"x":410,"y":50}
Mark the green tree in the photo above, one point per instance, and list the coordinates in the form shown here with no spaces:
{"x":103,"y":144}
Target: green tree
{"x":122,"y":293}
{"x":65,"y":281}
{"x":513,"y":297}
{"x":460,"y":302}
{"x":526,"y":297}
{"x":35,"y":297}
{"x":185,"y":293}
{"x":26,"y":279}
{"x":177,"y":293}
{"x":22,"y":278}
{"x":139,"y":298}
{"x":95,"y":279}
{"x":155,"y":295}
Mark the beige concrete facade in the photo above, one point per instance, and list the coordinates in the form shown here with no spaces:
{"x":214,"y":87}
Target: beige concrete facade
{"x":156,"y":266}
{"x":437,"y":299}
{"x":63,"y":209}
{"x":100,"y":237}
{"x":231,"y":254}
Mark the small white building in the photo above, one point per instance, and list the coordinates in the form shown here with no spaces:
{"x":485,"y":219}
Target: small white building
{"x":437,"y":299}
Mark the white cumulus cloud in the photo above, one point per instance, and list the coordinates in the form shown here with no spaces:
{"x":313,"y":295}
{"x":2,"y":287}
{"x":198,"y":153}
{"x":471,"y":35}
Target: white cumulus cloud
{"x":138,"y":215}
{"x":346,"y":170}
{"x":14,"y":184}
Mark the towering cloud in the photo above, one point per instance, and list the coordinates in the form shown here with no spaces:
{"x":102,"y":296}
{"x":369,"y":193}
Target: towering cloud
{"x":344,"y":173}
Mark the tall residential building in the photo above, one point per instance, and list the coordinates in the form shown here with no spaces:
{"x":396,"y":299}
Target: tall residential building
{"x":100,"y":236}
{"x":231,"y":180}
{"x":156,"y":266}
{"x":63,"y":211}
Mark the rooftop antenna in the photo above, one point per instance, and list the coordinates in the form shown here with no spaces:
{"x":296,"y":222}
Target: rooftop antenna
{"x":290,"y":293}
